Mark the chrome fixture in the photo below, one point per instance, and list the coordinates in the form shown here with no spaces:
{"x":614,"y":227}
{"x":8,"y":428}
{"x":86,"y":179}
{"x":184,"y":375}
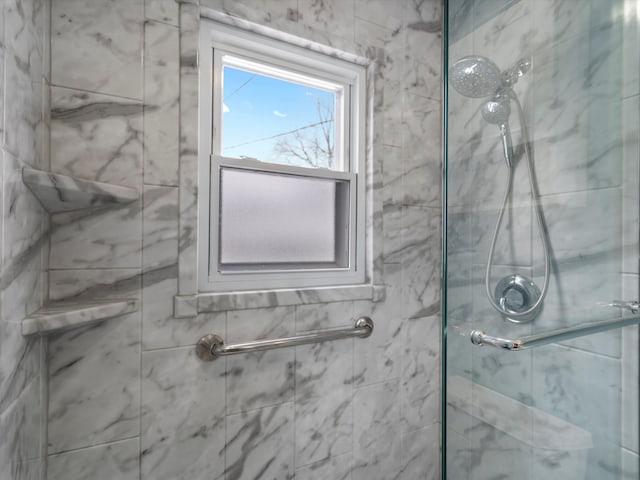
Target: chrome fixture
{"x":212,"y":346}
{"x":516,"y":297}
{"x":633,"y":306}
{"x":517,"y":294}
{"x":478,"y":337}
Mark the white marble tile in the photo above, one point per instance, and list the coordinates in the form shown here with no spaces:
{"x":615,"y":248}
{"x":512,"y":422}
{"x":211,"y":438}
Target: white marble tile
{"x":382,"y":12}
{"x":630,"y":465}
{"x":333,"y":16}
{"x":23,"y":100}
{"x":97,"y":137}
{"x":325,"y":367}
{"x":165,"y":11}
{"x":630,"y":184}
{"x":421,"y":454}
{"x":182,"y":417}
{"x":573,"y":386}
{"x":422,"y":163}
{"x":421,"y":261}
{"x":423,"y":54}
{"x":421,"y":393}
{"x":379,"y":357}
{"x":335,"y":468}
{"x":393,"y":72}
{"x":280,"y":14}
{"x":369,"y":35}
{"x":630,"y":388}
{"x":20,"y":424}
{"x":459,"y":455}
{"x":113,"y":460}
{"x":161,"y":102}
{"x":97,"y":46}
{"x":265,"y":378}
{"x":94,"y":284}
{"x":94,"y":384}
{"x":324,"y":315}
{"x":108,"y":238}
{"x":377,"y":431}
{"x":188,"y":117}
{"x":159,"y":227}
{"x":323,"y":426}
{"x":260,"y":443}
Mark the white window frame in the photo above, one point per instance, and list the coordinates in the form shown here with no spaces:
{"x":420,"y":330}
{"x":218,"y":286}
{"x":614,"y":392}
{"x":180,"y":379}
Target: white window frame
{"x":218,"y":40}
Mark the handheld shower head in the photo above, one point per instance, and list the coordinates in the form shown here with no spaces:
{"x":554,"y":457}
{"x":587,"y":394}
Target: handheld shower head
{"x":496,"y":111}
{"x":475,"y":77}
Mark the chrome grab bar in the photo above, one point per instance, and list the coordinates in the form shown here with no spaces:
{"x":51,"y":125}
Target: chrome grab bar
{"x":212,"y":346}
{"x":478,"y":337}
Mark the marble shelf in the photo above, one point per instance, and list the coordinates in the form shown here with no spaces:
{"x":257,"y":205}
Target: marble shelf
{"x":64,"y":315}
{"x":61,"y":193}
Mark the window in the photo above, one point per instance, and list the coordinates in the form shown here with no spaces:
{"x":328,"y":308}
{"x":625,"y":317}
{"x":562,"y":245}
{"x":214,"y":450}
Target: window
{"x":282,"y":164}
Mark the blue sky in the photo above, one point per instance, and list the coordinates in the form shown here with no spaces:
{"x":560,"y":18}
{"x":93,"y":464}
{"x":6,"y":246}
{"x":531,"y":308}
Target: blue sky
{"x":257,"y":107}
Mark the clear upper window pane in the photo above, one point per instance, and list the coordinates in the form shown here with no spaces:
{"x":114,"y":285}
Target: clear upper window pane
{"x":291,"y":221}
{"x":278,"y":121}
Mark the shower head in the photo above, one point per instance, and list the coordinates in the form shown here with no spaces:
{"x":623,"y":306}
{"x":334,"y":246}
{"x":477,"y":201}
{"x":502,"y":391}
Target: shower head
{"x":497,"y":110}
{"x":475,"y":76}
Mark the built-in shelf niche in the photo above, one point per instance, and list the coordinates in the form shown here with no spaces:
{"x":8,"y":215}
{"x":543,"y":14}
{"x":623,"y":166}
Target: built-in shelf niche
{"x":62,"y":193}
{"x":65,"y":315}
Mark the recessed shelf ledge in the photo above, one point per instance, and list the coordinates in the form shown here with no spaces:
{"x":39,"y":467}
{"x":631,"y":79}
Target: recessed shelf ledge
{"x":64,"y":315}
{"x":62,"y":193}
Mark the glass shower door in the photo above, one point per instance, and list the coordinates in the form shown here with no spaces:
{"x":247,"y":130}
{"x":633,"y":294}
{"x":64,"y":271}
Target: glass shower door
{"x":542,"y":233}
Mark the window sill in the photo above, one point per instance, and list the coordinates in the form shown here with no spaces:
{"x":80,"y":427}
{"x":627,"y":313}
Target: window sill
{"x":191,"y":305}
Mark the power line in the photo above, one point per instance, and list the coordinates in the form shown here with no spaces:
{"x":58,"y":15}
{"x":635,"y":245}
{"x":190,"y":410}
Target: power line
{"x":240,"y":87}
{"x":279,"y":134}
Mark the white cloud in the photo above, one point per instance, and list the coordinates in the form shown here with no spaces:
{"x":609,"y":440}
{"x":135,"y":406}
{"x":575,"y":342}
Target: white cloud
{"x":225,"y":109}
{"x":280,"y":114}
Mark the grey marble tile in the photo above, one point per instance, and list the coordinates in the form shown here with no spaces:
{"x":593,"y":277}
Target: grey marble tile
{"x":94,"y":384}
{"x":108,"y":238}
{"x":165,"y":11}
{"x":369,"y":35}
{"x":31,"y":470}
{"x":113,"y":460}
{"x":97,"y":46}
{"x":336,"y":468}
{"x":260,"y":443}
{"x":265,"y":378}
{"x":97,"y":137}
{"x":393,"y":72}
{"x":393,"y":178}
{"x":161,"y":102}
{"x":159,"y":227}
{"x":182,"y":418}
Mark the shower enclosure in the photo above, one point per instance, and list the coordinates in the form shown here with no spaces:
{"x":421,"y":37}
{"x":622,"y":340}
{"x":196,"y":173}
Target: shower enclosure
{"x":541,"y":265}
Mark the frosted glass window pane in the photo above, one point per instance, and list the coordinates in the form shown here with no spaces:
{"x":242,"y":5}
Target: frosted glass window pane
{"x":268,"y":218}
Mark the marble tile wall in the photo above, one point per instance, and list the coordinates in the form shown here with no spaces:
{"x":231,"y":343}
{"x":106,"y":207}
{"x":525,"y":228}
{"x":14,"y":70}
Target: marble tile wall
{"x":128,"y":398}
{"x":580,"y":102}
{"x":24,"y":76}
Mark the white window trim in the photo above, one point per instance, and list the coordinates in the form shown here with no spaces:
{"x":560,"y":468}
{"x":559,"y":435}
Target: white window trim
{"x":239,"y":43}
